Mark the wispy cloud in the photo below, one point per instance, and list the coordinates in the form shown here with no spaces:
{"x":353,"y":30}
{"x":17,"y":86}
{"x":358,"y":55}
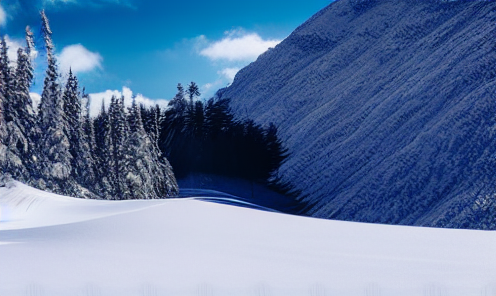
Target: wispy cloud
{"x":55,"y":3}
{"x":237,"y":45}
{"x":106,"y":96}
{"x":231,"y":53}
{"x":229,"y":73}
{"x":79,"y":59}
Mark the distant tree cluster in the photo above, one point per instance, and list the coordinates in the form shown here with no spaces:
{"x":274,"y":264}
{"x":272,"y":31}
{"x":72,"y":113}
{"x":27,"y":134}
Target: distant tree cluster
{"x":204,"y":137}
{"x":62,"y":149}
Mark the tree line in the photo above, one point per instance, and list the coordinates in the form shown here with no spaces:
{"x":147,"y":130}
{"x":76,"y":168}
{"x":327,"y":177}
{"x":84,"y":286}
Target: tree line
{"x":58,"y":149}
{"x":205,"y":137}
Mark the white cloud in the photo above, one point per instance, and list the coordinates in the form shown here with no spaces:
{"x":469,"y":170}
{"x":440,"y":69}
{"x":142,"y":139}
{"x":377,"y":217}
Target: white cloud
{"x":208,"y":89}
{"x":79,"y":59}
{"x":229,"y":73}
{"x":3,"y":16}
{"x":237,"y":46}
{"x":106,"y":96}
{"x":36,"y":98}
{"x":13,"y":45}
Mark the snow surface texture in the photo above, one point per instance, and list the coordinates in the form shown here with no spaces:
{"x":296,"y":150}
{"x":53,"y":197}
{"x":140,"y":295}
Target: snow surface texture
{"x":59,"y":246}
{"x":388,"y":110}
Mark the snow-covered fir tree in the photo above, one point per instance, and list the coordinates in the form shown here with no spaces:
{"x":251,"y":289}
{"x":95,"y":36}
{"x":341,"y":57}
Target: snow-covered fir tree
{"x":87,"y":147}
{"x":148,"y":178}
{"x":7,"y":81}
{"x":152,"y":119}
{"x":102,"y":153}
{"x":3,"y":133}
{"x":105,"y":155}
{"x":82,"y":163}
{"x":26,"y":118}
{"x":55,"y":159}
{"x":16,"y":142}
{"x":119,"y":133}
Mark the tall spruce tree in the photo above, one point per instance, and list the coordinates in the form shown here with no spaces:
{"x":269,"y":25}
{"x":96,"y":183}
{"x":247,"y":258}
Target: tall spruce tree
{"x":148,"y":178}
{"x":101,"y":155}
{"x":81,"y":157}
{"x":86,"y":157}
{"x":23,"y":104}
{"x":152,"y":119}
{"x":7,"y":80}
{"x":173,"y":135}
{"x":106,"y":167}
{"x":25,"y":76}
{"x":3,"y":132}
{"x":72,"y":110}
{"x":55,"y":159}
{"x":193,"y":91}
{"x":119,"y":132}
{"x":16,"y":142}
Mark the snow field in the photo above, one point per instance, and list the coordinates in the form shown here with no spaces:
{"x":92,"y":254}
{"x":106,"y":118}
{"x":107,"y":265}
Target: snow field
{"x":54,"y":245}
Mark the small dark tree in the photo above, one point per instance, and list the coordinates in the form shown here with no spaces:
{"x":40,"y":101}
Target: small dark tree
{"x":193,"y":91}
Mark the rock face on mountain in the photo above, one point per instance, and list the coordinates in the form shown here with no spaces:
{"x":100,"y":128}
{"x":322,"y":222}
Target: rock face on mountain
{"x":388,"y":108}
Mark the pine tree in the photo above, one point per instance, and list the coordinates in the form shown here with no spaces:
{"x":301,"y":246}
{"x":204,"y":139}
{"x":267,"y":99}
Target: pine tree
{"x":16,"y":142}
{"x":3,"y":133}
{"x":193,"y":91}
{"x":7,"y":82}
{"x":119,"y":132}
{"x":147,"y":178}
{"x":105,"y":154}
{"x":218,"y":117}
{"x":22,"y":83}
{"x":82,"y":163}
{"x":55,"y":158}
{"x":174,"y":122}
{"x":72,"y":108}
{"x":88,"y":146}
{"x":25,"y":75}
{"x":152,"y":121}
{"x":71,"y":112}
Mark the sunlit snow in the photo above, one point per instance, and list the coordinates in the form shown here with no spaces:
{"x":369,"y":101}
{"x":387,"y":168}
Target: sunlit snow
{"x":55,"y":245}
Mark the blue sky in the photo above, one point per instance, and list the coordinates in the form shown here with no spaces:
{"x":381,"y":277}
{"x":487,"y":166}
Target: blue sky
{"x":147,"y":47}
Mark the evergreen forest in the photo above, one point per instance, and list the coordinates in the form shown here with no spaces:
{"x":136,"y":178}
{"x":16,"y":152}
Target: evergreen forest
{"x":125,"y":152}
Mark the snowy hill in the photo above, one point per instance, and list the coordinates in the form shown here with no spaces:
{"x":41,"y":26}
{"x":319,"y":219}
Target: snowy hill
{"x":55,"y":245}
{"x":388,"y":110}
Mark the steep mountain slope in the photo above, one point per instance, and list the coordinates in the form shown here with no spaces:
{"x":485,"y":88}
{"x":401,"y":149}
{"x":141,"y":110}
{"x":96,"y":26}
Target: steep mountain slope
{"x":388,"y":108}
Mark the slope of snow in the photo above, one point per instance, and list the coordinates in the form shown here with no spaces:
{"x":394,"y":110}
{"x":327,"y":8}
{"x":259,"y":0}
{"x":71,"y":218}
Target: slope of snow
{"x":388,"y":110}
{"x":22,"y":207}
{"x":53,"y":245}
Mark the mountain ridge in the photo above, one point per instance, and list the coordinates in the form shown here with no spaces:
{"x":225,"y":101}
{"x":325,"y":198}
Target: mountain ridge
{"x":387,"y":108}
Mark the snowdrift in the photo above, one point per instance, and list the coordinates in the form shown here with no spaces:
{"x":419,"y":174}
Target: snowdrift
{"x":55,"y":245}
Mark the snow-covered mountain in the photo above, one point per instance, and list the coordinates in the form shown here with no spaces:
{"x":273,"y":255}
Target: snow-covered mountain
{"x":388,"y":108}
{"x":58,"y":246}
